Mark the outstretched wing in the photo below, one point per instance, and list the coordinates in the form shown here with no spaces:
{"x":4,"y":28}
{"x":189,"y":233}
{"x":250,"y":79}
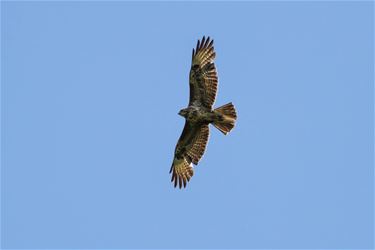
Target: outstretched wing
{"x":203,"y":76}
{"x":189,"y":149}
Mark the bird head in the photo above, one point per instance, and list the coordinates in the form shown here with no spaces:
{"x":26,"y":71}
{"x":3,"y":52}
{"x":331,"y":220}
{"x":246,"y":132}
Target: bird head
{"x":183,"y":112}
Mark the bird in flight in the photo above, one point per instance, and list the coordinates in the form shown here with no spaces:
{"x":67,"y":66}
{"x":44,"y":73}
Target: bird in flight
{"x":199,"y":114}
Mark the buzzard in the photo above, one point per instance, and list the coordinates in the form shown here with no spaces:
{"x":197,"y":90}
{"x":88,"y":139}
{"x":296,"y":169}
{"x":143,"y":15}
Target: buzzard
{"x":199,"y":114}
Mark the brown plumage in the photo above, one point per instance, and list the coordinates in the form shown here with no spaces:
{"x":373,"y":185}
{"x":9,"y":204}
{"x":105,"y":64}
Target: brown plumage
{"x":192,"y":143}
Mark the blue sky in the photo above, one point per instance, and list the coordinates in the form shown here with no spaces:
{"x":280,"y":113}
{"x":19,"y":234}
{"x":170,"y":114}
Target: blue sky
{"x":90,"y":95}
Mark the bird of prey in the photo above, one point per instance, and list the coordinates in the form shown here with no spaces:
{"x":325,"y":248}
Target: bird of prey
{"x":199,"y":114}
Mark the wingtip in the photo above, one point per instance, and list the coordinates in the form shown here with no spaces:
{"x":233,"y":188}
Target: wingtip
{"x":181,"y":175}
{"x":203,"y":40}
{"x":198,"y":45}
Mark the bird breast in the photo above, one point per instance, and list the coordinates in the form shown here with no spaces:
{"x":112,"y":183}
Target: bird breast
{"x":193,"y":115}
{"x":198,"y":115}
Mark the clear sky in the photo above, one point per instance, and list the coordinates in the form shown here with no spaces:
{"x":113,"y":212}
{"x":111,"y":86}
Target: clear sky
{"x":90,"y":95}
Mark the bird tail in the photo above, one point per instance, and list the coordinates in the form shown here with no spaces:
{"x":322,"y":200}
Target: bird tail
{"x":226,"y":118}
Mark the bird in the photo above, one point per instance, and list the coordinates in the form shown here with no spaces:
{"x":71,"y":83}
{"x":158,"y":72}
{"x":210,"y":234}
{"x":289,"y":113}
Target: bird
{"x":203,"y":84}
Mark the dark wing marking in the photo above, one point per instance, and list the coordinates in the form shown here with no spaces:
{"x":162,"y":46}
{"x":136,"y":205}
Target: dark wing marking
{"x":196,"y":151}
{"x":189,"y":149}
{"x":203,"y":76}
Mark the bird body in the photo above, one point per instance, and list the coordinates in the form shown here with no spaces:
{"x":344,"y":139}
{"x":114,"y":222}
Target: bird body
{"x":195,"y":115}
{"x":199,"y":113}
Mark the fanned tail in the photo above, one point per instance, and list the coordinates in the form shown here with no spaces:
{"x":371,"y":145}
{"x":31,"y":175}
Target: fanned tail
{"x":226,"y":118}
